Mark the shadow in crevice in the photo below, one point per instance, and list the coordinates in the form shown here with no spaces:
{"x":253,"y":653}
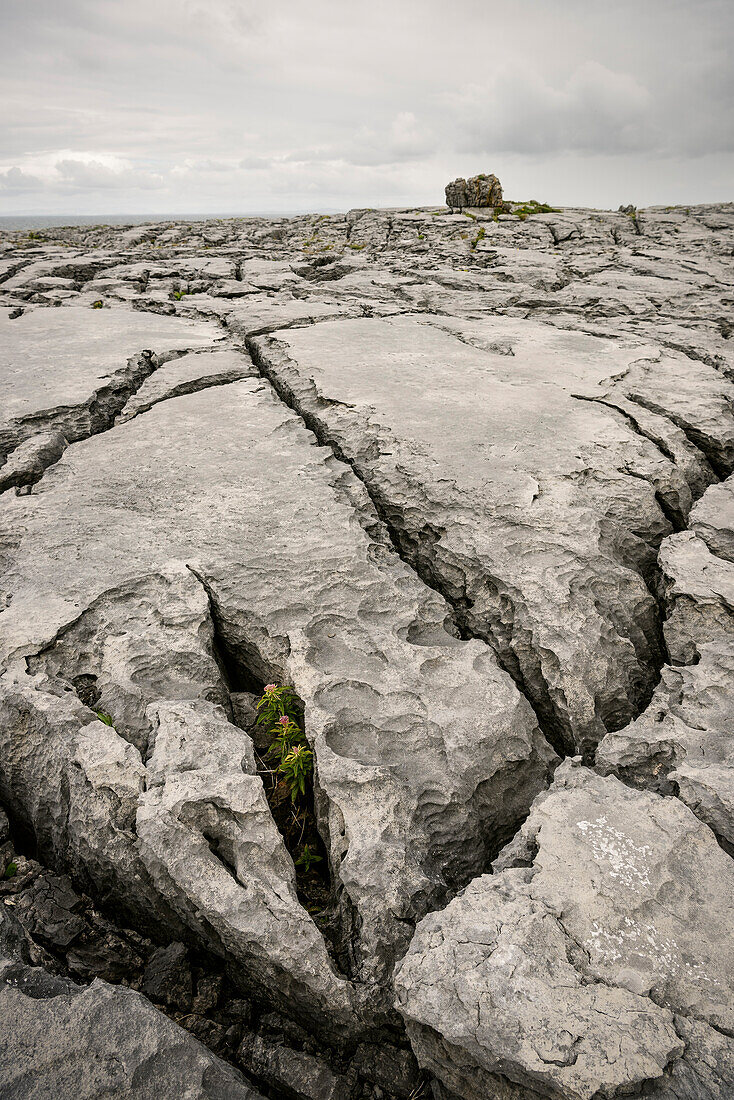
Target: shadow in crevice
{"x":301,"y":821}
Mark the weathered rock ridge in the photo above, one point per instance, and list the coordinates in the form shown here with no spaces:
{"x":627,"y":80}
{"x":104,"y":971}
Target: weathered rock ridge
{"x":466,"y":484}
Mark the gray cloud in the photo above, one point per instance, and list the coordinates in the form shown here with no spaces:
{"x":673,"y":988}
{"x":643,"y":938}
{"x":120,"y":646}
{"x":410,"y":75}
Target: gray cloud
{"x":232,"y":105}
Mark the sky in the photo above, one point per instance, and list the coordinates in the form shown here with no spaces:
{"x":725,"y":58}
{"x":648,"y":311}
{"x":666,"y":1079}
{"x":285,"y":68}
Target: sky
{"x":236,"y":106}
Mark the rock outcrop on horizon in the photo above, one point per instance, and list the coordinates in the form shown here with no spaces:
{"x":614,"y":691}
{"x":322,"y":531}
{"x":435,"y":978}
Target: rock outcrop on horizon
{"x":466,"y":484}
{"x":477,"y":191}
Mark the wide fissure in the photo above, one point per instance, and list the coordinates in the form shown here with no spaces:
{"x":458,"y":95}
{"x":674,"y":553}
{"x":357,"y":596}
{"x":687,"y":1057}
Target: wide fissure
{"x":246,"y":675}
{"x":423,"y":557}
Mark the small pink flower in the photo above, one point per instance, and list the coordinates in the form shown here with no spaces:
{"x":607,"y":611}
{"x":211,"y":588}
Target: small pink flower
{"x":269,"y":688}
{"x":283,"y":720}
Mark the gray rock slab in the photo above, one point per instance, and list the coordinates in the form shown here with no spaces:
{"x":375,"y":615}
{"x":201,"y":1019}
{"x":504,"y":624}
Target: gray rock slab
{"x":59,"y":1039}
{"x":564,"y":971}
{"x":530,"y":504}
{"x":211,"y":846}
{"x":712,"y":519}
{"x":28,"y":461}
{"x":682,"y":743}
{"x":188,"y":374}
{"x":58,"y":365}
{"x":265,"y":313}
{"x":698,"y":590}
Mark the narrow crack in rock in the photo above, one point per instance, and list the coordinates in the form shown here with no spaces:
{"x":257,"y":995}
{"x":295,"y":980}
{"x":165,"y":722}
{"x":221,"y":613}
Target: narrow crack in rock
{"x":44,"y":436}
{"x":246,"y":673}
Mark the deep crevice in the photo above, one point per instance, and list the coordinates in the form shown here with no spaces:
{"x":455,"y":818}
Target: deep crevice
{"x":69,"y":935}
{"x":420,"y":555}
{"x":245,"y":670}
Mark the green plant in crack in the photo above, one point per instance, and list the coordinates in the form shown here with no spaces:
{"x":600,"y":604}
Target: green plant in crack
{"x":279,"y":711}
{"x":277,"y":702}
{"x":296,"y":768}
{"x":179,"y":294}
{"x":12,"y":870}
{"x":307,"y":858}
{"x":98,"y":304}
{"x":479,"y":237}
{"x":104,"y":717}
{"x":287,"y":736}
{"x":286,"y":770}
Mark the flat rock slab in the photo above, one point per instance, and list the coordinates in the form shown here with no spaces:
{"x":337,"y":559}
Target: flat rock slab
{"x":565,"y":971}
{"x":189,"y":374}
{"x":54,"y":362}
{"x":514,"y":483}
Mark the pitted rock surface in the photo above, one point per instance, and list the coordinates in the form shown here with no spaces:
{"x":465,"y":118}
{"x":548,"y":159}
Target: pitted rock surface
{"x":464,"y":483}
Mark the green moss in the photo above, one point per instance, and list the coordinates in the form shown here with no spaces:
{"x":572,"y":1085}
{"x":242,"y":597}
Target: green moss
{"x":97,"y":305}
{"x":479,"y":237}
{"x":468,"y":215}
{"x":532,"y":207}
{"x":357,"y":247}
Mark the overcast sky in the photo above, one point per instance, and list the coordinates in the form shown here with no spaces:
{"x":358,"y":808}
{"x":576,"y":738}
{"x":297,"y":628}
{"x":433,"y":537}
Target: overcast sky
{"x":230,"y":106}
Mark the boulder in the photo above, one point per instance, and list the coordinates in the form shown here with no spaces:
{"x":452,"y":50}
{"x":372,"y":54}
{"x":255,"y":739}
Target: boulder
{"x":564,"y":972}
{"x":475,"y":192}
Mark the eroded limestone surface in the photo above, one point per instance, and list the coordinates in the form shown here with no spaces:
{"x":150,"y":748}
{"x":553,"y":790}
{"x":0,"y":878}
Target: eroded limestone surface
{"x":463,"y":482}
{"x":566,"y":970}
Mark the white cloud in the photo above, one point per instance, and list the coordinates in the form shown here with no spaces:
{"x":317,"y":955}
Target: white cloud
{"x":591,"y":110}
